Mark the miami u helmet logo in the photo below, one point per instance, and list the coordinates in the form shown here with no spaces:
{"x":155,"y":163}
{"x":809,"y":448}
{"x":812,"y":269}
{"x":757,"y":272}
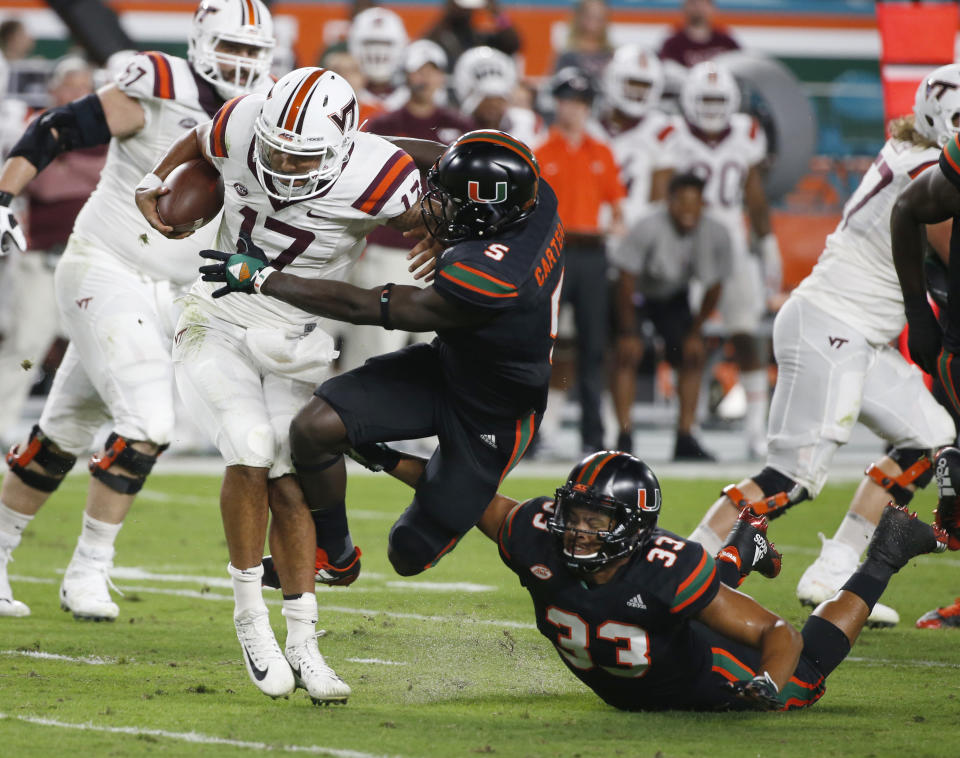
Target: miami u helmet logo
{"x":473,"y":192}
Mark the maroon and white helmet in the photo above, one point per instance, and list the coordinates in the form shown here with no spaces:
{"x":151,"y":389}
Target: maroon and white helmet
{"x":377,"y":39}
{"x":218,"y":26}
{"x":483,"y":72}
{"x":936,"y":109}
{"x":710,"y":96}
{"x":304,"y":133}
{"x":633,"y":80}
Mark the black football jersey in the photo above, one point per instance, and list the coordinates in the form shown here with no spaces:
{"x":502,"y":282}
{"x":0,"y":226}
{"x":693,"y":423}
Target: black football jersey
{"x":633,"y":640}
{"x":502,"y":366}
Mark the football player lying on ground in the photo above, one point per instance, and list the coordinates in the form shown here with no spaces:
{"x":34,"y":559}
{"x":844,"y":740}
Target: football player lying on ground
{"x":647,"y":619}
{"x":481,"y":386}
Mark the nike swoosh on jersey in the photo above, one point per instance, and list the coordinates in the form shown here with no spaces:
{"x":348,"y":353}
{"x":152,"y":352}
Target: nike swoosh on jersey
{"x":258,"y":674}
{"x":311,"y":214}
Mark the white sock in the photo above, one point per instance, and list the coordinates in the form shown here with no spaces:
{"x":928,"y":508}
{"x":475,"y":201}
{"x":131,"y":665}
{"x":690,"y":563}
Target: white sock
{"x":855,"y":531}
{"x":247,"y":592}
{"x":755,"y":384}
{"x":12,"y":523}
{"x":706,"y":537}
{"x":98,"y":535}
{"x":301,"y":615}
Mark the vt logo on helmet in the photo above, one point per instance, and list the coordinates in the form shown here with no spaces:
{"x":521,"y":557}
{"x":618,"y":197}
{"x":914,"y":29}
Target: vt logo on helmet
{"x":231,"y":45}
{"x":937,"y":105}
{"x":710,"y":96}
{"x":304,"y":133}
{"x":484,"y":184}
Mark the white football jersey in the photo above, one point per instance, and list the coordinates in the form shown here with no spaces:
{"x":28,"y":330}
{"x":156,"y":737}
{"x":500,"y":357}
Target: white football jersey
{"x":723,"y":164}
{"x":640,"y":152}
{"x":859,"y":250}
{"x":174,"y":100}
{"x":316,"y":238}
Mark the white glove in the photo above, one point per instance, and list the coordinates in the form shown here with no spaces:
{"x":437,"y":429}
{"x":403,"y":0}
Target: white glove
{"x":772,"y":264}
{"x":11,"y":233}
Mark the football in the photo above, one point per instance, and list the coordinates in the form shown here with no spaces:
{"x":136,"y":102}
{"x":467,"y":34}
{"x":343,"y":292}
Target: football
{"x":195,"y":197}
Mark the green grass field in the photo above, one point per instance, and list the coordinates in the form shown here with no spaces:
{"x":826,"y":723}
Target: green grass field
{"x":444,"y":664}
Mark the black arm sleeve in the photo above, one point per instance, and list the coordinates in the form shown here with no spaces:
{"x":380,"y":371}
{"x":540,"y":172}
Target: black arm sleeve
{"x":79,"y":124}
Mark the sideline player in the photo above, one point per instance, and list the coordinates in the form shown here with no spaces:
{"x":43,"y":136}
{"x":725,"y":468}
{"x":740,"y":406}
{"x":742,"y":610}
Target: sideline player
{"x":836,"y":366}
{"x":480,"y":386}
{"x":115,"y":285}
{"x":304,"y":187}
{"x":648,"y":620}
{"x":725,"y":149}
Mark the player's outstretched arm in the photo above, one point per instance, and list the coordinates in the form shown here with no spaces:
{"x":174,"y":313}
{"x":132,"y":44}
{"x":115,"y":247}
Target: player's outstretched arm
{"x":424,"y":152}
{"x":743,"y":619}
{"x":189,"y":147}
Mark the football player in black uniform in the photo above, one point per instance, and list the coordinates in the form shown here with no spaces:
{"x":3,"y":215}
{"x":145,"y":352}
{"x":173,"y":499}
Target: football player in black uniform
{"x":480,"y":386}
{"x":648,"y":620}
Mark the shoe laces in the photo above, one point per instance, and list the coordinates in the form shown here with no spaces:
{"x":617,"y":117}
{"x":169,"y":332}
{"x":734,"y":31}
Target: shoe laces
{"x":101,"y":568}
{"x":309,"y":657}
{"x":256,"y":635}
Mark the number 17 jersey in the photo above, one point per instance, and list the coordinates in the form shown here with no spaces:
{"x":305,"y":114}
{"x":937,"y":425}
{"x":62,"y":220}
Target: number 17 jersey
{"x":315,"y":238}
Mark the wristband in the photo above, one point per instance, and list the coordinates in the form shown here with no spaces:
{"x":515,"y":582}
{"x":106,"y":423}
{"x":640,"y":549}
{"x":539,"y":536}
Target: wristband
{"x":261,"y":276}
{"x":5,"y":198}
{"x":150,"y":182}
{"x":385,"y":305}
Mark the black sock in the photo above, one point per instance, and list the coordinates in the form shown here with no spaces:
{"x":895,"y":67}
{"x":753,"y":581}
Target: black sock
{"x":333,"y":533}
{"x":868,"y":582}
{"x":824,"y":644}
{"x":729,"y":573}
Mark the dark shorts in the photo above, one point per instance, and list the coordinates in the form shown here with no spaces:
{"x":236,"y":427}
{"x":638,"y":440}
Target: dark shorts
{"x":403,"y":396}
{"x":672,"y":319}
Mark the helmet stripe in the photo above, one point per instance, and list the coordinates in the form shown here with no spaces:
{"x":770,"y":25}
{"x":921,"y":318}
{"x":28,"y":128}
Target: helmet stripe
{"x":291,"y":111}
{"x":250,"y":13}
{"x":589,"y":474}
{"x":505,"y":141}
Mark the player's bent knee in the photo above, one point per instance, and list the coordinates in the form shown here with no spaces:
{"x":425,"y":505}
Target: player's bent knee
{"x":916,"y":466}
{"x":316,"y":427}
{"x":133,"y":465}
{"x":40,"y":450}
{"x":411,"y":552}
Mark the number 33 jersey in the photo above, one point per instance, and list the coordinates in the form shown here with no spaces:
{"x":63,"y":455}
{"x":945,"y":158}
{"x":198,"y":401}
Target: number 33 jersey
{"x":859,"y":250}
{"x":631,"y":640}
{"x":316,"y":238}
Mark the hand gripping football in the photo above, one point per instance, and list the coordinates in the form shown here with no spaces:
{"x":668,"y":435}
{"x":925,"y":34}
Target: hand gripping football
{"x":195,"y":197}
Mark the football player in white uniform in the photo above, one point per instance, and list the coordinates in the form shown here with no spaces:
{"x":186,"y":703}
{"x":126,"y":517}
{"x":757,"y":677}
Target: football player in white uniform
{"x":303,"y":188}
{"x":484,"y":79}
{"x":836,"y":366}
{"x":377,"y":40}
{"x":725,"y":149}
{"x":114,"y":288}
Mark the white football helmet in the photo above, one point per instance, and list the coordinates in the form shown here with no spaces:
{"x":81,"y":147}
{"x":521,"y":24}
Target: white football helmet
{"x":304,"y":133}
{"x":936,"y":109}
{"x":483,"y":72}
{"x":710,"y":96}
{"x":224,"y":23}
{"x":633,"y":80}
{"x":377,"y":39}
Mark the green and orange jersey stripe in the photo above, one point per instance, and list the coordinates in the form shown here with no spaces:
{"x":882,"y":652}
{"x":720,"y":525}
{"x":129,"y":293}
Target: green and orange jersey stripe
{"x":695,"y":585}
{"x":523,"y":435}
{"x":946,"y":378}
{"x":950,"y":160}
{"x":476,"y":280}
{"x":505,"y":140}
{"x":162,"y":75}
{"x":506,"y":530}
{"x":799,"y":694}
{"x":729,"y":666}
{"x":218,"y":129}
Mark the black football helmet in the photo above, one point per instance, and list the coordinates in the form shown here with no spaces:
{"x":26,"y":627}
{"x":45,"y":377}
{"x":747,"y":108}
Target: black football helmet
{"x":484,"y":183}
{"x":615,"y":484}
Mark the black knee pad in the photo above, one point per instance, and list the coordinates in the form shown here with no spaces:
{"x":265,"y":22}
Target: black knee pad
{"x":118,"y":450}
{"x":43,"y":451}
{"x":917,"y":469}
{"x":824,"y":644}
{"x":417,"y":542}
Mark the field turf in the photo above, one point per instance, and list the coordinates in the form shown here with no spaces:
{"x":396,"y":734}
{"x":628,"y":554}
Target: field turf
{"x":444,"y":664}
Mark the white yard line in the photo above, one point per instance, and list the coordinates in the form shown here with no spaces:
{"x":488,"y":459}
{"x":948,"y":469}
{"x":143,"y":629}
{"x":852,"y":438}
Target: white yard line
{"x":90,"y":660}
{"x":377,"y":661}
{"x":194,"y":737}
{"x":892,"y":662}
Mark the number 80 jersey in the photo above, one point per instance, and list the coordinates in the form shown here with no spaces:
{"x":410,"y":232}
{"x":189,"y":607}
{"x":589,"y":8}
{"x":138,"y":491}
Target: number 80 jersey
{"x":630,"y":640}
{"x":316,"y":238}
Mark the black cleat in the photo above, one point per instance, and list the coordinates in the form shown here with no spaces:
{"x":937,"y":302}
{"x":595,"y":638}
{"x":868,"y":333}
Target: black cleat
{"x":900,"y":536}
{"x":747,"y":547}
{"x":688,"y":448}
{"x":325,"y":572}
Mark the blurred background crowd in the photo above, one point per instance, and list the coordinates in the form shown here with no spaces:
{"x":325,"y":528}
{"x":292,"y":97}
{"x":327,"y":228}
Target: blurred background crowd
{"x":605,"y":93}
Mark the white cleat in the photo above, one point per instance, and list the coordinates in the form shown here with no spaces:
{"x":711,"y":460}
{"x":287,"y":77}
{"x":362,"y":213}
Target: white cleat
{"x":267,"y":667}
{"x":827,"y":575}
{"x":314,"y":675}
{"x":85,"y":590}
{"x":8,"y":606}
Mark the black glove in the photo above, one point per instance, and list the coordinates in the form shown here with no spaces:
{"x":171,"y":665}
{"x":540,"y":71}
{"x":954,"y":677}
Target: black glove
{"x":375,"y":456}
{"x":760,"y":692}
{"x":925,"y":337}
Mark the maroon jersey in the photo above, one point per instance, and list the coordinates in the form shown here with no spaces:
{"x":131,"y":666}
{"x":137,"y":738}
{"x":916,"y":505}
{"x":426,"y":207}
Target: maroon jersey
{"x":58,"y":193}
{"x":681,"y":48}
{"x":443,"y":125}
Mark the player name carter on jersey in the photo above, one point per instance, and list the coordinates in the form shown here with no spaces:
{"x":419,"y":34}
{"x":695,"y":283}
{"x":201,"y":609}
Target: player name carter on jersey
{"x":628,"y":640}
{"x":174,"y":100}
{"x":859,"y":250}
{"x":316,"y":238}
